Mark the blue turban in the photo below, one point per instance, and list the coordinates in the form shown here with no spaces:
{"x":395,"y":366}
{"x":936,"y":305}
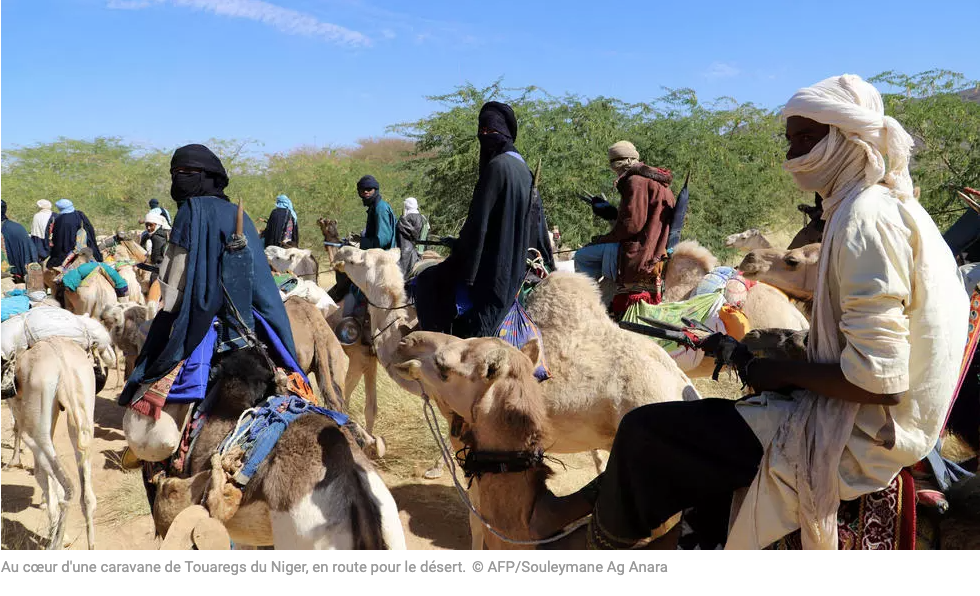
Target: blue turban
{"x":65,"y":206}
{"x":283,"y":202}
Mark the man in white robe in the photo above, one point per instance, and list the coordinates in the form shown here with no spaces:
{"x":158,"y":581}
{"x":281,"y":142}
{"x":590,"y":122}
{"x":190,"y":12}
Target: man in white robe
{"x":884,"y":352}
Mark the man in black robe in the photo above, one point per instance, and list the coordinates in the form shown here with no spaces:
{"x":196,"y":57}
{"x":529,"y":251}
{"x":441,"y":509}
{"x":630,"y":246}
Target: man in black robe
{"x":470,"y":293}
{"x":64,"y":235}
{"x":201,"y":270}
{"x":18,"y":247}
{"x":282,"y":228}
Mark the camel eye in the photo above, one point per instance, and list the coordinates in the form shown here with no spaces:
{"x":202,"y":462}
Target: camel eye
{"x":791,"y":262}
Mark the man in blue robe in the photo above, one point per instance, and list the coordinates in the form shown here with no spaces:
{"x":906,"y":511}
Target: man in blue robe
{"x":64,"y":235}
{"x":17,"y":246}
{"x":208,"y":277}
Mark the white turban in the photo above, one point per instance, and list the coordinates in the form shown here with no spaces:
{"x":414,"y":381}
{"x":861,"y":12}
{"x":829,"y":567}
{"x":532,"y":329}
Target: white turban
{"x":44,"y":204}
{"x":155,"y":218}
{"x":411,"y":205}
{"x":854,"y":110}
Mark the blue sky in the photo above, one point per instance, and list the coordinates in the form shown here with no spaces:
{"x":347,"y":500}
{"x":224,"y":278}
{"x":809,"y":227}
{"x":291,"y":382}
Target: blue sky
{"x":294,"y":72}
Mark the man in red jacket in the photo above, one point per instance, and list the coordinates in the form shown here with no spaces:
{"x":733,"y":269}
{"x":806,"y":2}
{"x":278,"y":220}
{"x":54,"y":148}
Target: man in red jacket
{"x":633,"y":252}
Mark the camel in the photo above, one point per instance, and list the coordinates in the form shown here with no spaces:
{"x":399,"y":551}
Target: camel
{"x":135,"y":295}
{"x":319,"y":351}
{"x":328,"y":227}
{"x":298,"y":261}
{"x":55,"y":374}
{"x":599,"y":371}
{"x":126,"y":323}
{"x":792,"y":271}
{"x":93,"y":298}
{"x":747,"y":240}
{"x":314,"y":490}
{"x":488,"y":385}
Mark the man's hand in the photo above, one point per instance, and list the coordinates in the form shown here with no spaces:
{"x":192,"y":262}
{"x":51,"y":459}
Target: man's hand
{"x":764,"y":374}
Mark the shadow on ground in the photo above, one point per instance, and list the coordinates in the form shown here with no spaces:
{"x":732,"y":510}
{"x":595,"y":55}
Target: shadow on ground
{"x":435,"y":513}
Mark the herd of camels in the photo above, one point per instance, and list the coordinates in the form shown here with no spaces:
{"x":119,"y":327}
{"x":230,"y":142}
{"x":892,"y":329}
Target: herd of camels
{"x":318,"y":487}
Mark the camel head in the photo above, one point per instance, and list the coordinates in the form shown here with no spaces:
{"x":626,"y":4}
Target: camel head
{"x":747,"y":240}
{"x":487,"y":382}
{"x":328,"y":227}
{"x":371,"y":270}
{"x":792,"y":271}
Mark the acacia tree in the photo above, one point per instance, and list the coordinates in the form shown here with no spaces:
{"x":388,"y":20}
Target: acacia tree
{"x":940,"y":110}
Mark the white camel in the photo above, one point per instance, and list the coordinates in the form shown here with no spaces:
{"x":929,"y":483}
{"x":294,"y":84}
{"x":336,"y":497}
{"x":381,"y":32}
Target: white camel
{"x":747,"y":240}
{"x":52,"y":375}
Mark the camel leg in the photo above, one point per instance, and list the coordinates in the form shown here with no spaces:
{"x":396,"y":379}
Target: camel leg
{"x":18,"y":448}
{"x":371,"y":404}
{"x":81,"y":439}
{"x":58,"y":490}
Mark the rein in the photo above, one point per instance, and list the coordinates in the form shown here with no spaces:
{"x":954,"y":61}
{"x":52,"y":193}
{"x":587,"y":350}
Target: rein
{"x":433,"y":423}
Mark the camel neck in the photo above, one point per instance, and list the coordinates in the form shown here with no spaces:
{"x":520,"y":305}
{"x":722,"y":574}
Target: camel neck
{"x":507,"y":502}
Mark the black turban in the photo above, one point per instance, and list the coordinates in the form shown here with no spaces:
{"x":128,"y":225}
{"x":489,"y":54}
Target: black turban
{"x":499,"y":117}
{"x":367,"y":182}
{"x":208,"y":183}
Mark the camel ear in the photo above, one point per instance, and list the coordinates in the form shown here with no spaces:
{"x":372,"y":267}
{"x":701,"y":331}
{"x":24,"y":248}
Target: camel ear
{"x":532,"y":350}
{"x":496,"y":365}
{"x":410,"y":370}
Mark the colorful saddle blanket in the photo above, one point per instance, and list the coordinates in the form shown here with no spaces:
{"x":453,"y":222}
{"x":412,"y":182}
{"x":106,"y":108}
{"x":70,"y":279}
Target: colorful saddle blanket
{"x":884,"y":520}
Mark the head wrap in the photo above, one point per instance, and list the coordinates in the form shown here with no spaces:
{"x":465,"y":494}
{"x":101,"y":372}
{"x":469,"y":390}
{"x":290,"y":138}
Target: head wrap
{"x":411,"y":205}
{"x":154,"y":203}
{"x":852,"y":155}
{"x":622,"y":155}
{"x":283,"y":202}
{"x":500,"y":118}
{"x":369,"y":182}
{"x":65,"y":206}
{"x":155,"y":218}
{"x":211,"y":181}
{"x":44,"y":204}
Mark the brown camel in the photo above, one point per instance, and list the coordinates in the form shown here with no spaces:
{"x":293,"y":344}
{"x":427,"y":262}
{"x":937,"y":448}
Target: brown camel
{"x":318,"y":351}
{"x":489,"y":386}
{"x":315,"y":490}
{"x":328,"y":227}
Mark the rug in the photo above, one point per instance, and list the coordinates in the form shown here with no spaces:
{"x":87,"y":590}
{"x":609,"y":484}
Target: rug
{"x":884,"y":520}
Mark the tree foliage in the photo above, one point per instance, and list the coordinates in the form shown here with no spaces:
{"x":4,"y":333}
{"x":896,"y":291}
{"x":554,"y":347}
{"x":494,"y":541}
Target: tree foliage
{"x":733,"y":152}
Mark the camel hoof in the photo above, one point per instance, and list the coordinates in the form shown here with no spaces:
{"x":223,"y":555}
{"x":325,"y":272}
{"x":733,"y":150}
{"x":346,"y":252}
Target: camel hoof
{"x":180,"y":534}
{"x":377,"y":449}
{"x":210,"y":534}
{"x":433,"y":473}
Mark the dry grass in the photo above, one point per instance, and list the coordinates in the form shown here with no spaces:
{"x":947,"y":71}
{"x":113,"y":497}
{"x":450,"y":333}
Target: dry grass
{"x":126,"y":502}
{"x":411,"y":448}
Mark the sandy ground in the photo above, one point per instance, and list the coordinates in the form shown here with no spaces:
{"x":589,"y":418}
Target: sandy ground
{"x":431,"y":513}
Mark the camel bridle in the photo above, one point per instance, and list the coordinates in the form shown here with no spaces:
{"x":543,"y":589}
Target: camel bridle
{"x":433,"y":423}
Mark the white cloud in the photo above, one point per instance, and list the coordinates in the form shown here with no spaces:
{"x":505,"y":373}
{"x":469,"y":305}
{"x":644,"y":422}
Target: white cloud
{"x":722,"y":70}
{"x":287,"y":20}
{"x":388,"y":34}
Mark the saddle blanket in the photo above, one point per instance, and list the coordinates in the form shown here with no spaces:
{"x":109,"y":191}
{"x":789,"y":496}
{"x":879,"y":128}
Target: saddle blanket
{"x":80,"y":275}
{"x":705,"y":308}
{"x":259,"y":429}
